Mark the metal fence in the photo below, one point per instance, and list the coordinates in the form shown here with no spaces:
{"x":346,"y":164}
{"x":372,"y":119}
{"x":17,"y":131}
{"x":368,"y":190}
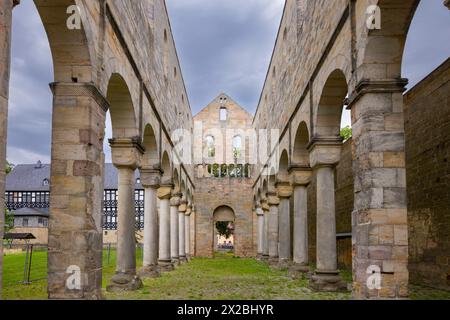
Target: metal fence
{"x":24,"y":264}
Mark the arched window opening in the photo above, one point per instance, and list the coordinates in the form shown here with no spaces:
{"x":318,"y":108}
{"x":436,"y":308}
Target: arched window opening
{"x":237,"y":147}
{"x":210,"y":145}
{"x":223,"y":114}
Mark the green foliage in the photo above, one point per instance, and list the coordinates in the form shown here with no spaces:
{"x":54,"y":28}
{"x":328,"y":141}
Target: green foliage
{"x":223,"y":229}
{"x":9,"y":167}
{"x":9,"y":220}
{"x":346,"y":133}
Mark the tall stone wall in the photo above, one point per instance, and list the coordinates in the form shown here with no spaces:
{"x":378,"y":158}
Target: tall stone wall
{"x":236,"y":193}
{"x":212,"y":193}
{"x":427,"y":114}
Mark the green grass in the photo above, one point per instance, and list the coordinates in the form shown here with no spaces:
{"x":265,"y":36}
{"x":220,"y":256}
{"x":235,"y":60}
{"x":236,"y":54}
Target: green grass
{"x":222,"y":278}
{"x":225,"y":278}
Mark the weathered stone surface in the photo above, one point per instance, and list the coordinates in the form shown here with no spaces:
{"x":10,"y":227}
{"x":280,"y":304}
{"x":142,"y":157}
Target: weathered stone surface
{"x":427,"y":109}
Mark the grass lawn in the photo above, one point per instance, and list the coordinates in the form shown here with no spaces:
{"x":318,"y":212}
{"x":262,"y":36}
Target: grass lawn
{"x":224,"y":278}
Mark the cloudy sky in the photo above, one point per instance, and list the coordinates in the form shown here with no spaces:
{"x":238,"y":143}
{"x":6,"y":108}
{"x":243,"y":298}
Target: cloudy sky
{"x":224,"y":46}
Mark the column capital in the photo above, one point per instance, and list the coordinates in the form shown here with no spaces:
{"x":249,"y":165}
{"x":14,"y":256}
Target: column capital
{"x":301,"y":175}
{"x":165,"y":192}
{"x":284,"y":189}
{"x":188,"y":211}
{"x":151,"y":177}
{"x":447,"y":4}
{"x":377,"y":86}
{"x":273,"y":199}
{"x":175,"y":199}
{"x":71,"y":89}
{"x":265,"y":204}
{"x":126,"y":152}
{"x":16,"y":3}
{"x":183,"y":206}
{"x":325,"y":151}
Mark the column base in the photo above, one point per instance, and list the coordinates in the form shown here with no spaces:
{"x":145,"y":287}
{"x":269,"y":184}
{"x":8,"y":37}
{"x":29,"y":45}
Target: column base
{"x":283,"y":264}
{"x":124,"y":282}
{"x":259,"y":257}
{"x":165,"y":266}
{"x":327,"y":282}
{"x":149,"y":272}
{"x":298,"y":271}
{"x":265,"y":258}
{"x":176,"y":262}
{"x":183,"y":260}
{"x":273,"y":262}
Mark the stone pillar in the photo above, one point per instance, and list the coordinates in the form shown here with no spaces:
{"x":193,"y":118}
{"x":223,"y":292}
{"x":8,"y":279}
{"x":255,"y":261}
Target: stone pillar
{"x":273,"y":202}
{"x":192,"y":227}
{"x":164,"y":194}
{"x":181,"y":231}
{"x":126,"y":158}
{"x":174,"y":235}
{"x":380,"y":227}
{"x":150,"y":180}
{"x":301,"y":180}
{"x":76,"y":197}
{"x":324,"y":156}
{"x":284,"y":189}
{"x":187,"y":232}
{"x":6,"y":7}
{"x":260,"y":215}
{"x":266,"y":210}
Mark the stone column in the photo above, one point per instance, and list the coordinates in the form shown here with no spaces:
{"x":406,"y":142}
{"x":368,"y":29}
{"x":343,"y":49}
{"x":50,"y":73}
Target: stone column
{"x":260,"y":215}
{"x":266,"y":209}
{"x":380,"y":217}
{"x":174,"y":235}
{"x":301,"y":180}
{"x":181,"y":231}
{"x":273,"y":202}
{"x":187,"y":232}
{"x":126,"y":158}
{"x":284,"y":223}
{"x":164,"y":194}
{"x":192,"y":227}
{"x":324,"y":156}
{"x":6,"y":7}
{"x":76,"y":197}
{"x":150,"y":180}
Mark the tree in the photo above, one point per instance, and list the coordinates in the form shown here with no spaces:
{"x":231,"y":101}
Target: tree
{"x":9,"y":220}
{"x":9,"y":167}
{"x":223,"y":228}
{"x":9,"y":215}
{"x":346,"y":133}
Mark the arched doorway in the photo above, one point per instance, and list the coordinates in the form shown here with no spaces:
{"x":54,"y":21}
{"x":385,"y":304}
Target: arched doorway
{"x":223,"y":230}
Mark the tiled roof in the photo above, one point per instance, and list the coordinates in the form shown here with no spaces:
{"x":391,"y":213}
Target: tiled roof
{"x":31,"y":212}
{"x":31,"y":177}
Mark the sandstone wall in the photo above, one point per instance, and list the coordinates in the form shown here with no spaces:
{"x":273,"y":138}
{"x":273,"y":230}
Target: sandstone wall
{"x":235,"y":193}
{"x":427,"y":114}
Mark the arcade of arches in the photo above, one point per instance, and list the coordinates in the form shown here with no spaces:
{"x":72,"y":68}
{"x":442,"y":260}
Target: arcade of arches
{"x":384,"y":190}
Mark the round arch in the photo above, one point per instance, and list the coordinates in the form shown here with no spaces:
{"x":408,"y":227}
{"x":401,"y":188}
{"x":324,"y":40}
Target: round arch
{"x":124,"y":124}
{"x":300,"y":154}
{"x":151,"y":155}
{"x":224,"y":214}
{"x":331,"y":104}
